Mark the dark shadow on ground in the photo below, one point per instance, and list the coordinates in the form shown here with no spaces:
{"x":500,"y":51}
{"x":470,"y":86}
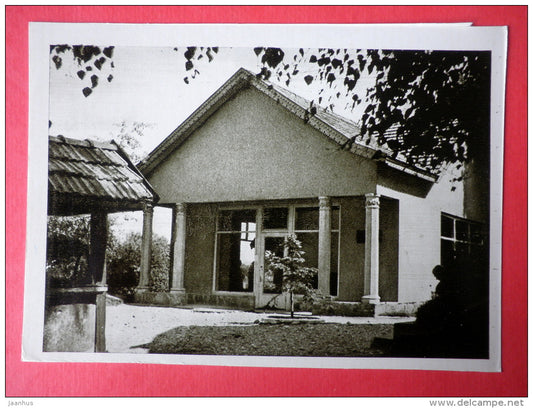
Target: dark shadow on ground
{"x":303,"y":339}
{"x":454,"y":324}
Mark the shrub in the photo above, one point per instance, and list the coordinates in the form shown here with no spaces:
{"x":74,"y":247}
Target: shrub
{"x":124,"y":260}
{"x":67,"y":251}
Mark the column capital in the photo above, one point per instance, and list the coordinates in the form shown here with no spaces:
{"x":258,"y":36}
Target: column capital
{"x":148,"y":206}
{"x":180,"y":208}
{"x":372,"y":200}
{"x":324,"y":201}
{"x":371,"y":281}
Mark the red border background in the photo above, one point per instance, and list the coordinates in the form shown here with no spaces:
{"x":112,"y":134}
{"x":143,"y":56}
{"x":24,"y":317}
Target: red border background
{"x":77,"y":379}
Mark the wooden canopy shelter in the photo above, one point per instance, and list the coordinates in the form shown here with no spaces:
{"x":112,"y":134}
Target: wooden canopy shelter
{"x":89,"y":177}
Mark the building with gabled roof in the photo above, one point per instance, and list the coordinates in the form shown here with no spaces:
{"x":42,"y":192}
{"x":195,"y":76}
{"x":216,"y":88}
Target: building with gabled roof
{"x":255,"y":163}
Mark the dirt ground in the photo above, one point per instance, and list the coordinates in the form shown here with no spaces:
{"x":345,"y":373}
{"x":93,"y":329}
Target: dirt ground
{"x":204,"y":330}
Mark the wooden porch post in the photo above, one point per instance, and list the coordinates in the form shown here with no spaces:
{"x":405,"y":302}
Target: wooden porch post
{"x":371,"y":284}
{"x":324,"y":245}
{"x":97,"y":246}
{"x":97,"y":269}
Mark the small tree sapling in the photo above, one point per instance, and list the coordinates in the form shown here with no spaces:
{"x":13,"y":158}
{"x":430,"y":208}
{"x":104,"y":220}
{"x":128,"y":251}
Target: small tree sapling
{"x":296,"y":278}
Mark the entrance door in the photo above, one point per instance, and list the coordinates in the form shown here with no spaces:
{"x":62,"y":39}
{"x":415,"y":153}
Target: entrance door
{"x":268,"y":283}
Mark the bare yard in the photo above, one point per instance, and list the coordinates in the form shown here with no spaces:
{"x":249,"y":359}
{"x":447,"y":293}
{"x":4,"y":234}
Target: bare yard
{"x":143,"y":329}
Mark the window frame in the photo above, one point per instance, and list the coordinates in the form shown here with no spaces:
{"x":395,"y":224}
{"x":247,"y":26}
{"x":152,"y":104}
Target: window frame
{"x":291,"y":221}
{"x":455,"y":240}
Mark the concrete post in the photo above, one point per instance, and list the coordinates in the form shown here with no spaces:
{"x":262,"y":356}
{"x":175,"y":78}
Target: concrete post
{"x":178,"y":248}
{"x":146,"y":247}
{"x":324,"y":245}
{"x":371,"y":284}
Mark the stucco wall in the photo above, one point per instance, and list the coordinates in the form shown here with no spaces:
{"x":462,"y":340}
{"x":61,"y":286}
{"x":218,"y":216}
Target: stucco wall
{"x":388,"y":250}
{"x":253,"y":149}
{"x":477,"y":190}
{"x":352,"y":254}
{"x":420,"y":208}
{"x":199,"y":248}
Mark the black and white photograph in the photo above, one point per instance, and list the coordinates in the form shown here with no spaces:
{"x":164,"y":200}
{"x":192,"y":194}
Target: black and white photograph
{"x":239,"y":195}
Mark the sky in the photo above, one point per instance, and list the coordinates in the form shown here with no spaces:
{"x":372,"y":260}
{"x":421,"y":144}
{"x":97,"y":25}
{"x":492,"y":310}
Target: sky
{"x":148,"y":87}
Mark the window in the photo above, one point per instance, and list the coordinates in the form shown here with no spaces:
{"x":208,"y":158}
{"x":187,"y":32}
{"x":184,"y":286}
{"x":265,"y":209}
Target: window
{"x":236,"y":243}
{"x":306,"y":227}
{"x":236,"y":250}
{"x":275,"y":218}
{"x":461,"y":239}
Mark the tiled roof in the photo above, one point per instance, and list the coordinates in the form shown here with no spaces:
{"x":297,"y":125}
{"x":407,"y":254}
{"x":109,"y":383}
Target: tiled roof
{"x":85,"y":175}
{"x":341,"y":124}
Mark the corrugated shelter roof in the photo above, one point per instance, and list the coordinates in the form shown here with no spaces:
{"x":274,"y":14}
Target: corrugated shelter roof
{"x":86,"y":176}
{"x":334,"y":126}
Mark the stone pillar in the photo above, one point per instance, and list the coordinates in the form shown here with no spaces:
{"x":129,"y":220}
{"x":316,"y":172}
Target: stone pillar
{"x":178,"y":248}
{"x":371,"y":284}
{"x":146,"y":247}
{"x":324,"y":245}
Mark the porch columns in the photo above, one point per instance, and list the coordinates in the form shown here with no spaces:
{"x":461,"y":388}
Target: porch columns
{"x":324,"y":245}
{"x":146,"y":247}
{"x":178,"y":248}
{"x":371,"y":284}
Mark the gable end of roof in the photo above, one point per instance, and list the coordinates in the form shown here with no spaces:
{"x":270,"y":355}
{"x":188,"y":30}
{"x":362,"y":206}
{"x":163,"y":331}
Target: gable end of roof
{"x":339,"y":129}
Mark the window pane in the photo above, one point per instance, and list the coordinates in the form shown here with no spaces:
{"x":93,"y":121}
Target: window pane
{"x":461,"y":230}
{"x":335,"y":212}
{"x":333,"y":279}
{"x":309,"y":242}
{"x":462,"y":251}
{"x":236,"y":220}
{"x":306,"y":218}
{"x":235,"y":263}
{"x":446,"y":252}
{"x":476,"y":234}
{"x":273,"y":277}
{"x":446,"y":226}
{"x":275,"y":218}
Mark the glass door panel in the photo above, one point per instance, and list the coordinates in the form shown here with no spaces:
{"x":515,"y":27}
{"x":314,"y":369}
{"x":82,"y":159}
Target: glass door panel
{"x":273,"y":279}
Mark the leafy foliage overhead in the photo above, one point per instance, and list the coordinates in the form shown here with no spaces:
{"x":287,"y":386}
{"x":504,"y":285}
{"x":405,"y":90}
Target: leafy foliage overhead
{"x":430,"y":107}
{"x":89,"y":59}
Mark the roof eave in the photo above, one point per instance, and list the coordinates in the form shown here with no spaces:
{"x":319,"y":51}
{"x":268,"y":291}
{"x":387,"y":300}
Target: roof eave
{"x":408,"y":169}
